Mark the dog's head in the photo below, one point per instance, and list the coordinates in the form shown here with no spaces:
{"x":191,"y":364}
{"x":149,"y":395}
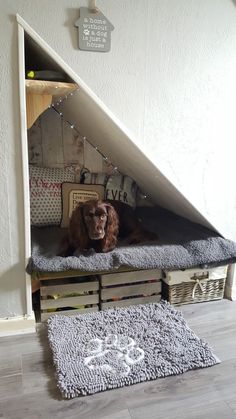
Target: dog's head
{"x":95,"y":215}
{"x":94,"y":220}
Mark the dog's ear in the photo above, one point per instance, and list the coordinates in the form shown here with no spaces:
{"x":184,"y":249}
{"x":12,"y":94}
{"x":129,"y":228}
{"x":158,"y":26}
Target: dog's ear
{"x":65,"y":248}
{"x":78,"y":235}
{"x":112,"y":229}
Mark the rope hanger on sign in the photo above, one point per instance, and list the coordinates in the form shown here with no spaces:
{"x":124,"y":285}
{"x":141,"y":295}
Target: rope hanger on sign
{"x":93,"y":6}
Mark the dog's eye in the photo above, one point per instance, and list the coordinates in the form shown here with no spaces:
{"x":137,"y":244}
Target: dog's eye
{"x":90,"y":215}
{"x":102,"y":217}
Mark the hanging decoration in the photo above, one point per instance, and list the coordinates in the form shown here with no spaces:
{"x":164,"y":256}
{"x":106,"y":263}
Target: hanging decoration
{"x":94,"y":29}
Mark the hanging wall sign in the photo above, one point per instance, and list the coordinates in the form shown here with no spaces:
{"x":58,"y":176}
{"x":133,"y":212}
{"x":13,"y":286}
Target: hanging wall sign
{"x":94,"y":30}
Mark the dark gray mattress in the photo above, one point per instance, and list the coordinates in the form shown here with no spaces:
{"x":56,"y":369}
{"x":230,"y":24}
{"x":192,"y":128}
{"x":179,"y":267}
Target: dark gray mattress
{"x":182,"y":244}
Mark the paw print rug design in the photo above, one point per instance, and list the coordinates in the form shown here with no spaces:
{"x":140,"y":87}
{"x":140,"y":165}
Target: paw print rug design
{"x":122,"y":346}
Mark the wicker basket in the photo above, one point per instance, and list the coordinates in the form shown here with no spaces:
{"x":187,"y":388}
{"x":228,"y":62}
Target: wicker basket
{"x":194,"y":285}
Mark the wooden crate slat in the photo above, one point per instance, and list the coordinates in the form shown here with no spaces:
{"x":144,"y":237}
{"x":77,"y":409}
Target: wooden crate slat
{"x":69,"y":301}
{"x":45,"y":276}
{"x":69,"y":288}
{"x":132,"y":301}
{"x":126,"y":291}
{"x":129,"y":277}
{"x":45,"y":316}
{"x":72,"y":273}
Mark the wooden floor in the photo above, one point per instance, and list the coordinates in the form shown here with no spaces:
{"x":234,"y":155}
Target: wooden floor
{"x":28,"y":387}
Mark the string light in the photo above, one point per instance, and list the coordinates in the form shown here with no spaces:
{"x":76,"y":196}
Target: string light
{"x":61,"y":99}
{"x":72,"y":126}
{"x":105,"y":158}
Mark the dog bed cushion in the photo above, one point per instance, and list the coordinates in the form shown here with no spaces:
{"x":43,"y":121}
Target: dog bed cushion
{"x":182,"y":244}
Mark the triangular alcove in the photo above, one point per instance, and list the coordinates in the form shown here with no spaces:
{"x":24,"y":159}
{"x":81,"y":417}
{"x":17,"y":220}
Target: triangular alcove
{"x":96,"y":122}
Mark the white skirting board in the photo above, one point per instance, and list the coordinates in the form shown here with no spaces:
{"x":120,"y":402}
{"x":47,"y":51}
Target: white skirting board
{"x":17,"y":325}
{"x":230,"y":292}
{"x":230,"y":286}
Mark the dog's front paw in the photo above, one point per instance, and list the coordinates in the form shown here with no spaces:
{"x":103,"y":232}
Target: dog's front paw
{"x":89,"y":252}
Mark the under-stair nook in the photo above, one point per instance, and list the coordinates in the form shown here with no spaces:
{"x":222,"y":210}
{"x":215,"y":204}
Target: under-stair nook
{"x":73,"y":144}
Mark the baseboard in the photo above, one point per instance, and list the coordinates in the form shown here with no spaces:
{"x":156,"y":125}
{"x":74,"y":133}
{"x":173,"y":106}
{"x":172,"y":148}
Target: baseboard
{"x":17,"y":325}
{"x":230,"y":293}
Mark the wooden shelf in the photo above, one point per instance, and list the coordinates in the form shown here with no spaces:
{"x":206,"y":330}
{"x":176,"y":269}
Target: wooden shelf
{"x":39,"y":94}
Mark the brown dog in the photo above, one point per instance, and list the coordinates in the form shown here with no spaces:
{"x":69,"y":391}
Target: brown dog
{"x":97,"y":224}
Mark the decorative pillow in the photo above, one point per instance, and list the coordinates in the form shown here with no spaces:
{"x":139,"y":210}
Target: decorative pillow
{"x":95,"y":178}
{"x":45,"y":194}
{"x":73,"y":193}
{"x":117,"y":187}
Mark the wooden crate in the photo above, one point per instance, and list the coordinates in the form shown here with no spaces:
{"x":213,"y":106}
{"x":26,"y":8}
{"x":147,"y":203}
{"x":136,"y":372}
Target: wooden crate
{"x":129,"y":288}
{"x":68,"y":296}
{"x":194,"y":285}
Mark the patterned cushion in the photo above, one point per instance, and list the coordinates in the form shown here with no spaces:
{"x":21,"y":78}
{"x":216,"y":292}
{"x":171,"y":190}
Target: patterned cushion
{"x":73,"y":193}
{"x":118,"y":187}
{"x":45,"y":194}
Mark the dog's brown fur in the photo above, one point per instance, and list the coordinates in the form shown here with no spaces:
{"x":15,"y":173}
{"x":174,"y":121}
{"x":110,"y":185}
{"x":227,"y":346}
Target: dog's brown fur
{"x":97,"y":224}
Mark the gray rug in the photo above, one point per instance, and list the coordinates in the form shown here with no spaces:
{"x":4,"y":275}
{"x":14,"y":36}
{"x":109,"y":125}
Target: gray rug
{"x":181,"y":245}
{"x":99,"y":351}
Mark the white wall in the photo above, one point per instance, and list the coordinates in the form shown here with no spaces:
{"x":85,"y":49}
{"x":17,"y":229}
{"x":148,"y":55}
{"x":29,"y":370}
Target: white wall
{"x":170,"y":77}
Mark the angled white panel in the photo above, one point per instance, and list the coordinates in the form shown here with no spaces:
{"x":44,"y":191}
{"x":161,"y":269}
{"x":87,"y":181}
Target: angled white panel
{"x":95,"y":121}
{"x":100,"y":129}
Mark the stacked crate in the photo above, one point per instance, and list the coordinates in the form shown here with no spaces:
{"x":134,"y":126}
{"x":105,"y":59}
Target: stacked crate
{"x":69,"y":296}
{"x":82,"y":294}
{"x":129,"y":288}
